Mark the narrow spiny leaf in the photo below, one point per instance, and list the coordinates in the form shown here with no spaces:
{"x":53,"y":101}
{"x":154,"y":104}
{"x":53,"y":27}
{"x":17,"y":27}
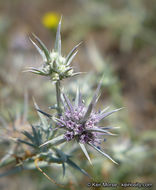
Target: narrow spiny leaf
{"x":29,"y":136}
{"x":72,"y":52}
{"x":43,"y":47}
{"x":102,"y":116}
{"x":71,"y":58}
{"x":43,"y":119}
{"x":39,"y":50}
{"x":91,"y":105}
{"x":85,"y":152}
{"x":72,"y":164}
{"x":58,"y":140}
{"x":103,"y":153}
{"x":57,"y":46}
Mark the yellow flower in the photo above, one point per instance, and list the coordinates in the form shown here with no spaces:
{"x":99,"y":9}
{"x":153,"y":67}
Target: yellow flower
{"x":51,"y":20}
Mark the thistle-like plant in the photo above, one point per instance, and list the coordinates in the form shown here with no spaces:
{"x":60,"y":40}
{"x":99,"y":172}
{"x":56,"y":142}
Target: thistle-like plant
{"x":78,"y":121}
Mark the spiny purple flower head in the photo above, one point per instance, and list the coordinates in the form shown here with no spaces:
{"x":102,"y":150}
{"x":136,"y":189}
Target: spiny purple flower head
{"x":82,"y":123}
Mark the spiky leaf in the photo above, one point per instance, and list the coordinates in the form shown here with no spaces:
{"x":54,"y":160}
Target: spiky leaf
{"x":57,"y":46}
{"x":91,"y":105}
{"x":43,"y":119}
{"x":103,"y":153}
{"x":43,"y":47}
{"x":71,"y":53}
{"x":58,"y":140}
{"x":39,"y":50}
{"x":73,"y":165}
{"x":27,"y":143}
{"x":102,"y":116}
{"x":71,"y":58}
{"x":85,"y":152}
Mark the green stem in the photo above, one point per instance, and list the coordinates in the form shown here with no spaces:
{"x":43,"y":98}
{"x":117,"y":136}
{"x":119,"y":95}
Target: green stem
{"x":58,"y":97}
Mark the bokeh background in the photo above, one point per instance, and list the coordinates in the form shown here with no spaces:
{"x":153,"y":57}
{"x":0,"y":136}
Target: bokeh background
{"x":119,"y":43}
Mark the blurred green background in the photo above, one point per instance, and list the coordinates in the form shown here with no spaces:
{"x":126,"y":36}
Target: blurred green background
{"x":119,"y":42}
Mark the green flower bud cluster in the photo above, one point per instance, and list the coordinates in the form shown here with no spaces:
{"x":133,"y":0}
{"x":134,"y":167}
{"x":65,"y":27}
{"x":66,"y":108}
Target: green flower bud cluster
{"x":55,"y":66}
{"x":57,"y":69}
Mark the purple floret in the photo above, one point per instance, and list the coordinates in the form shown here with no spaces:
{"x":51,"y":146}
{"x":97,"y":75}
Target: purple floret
{"x":69,"y":135}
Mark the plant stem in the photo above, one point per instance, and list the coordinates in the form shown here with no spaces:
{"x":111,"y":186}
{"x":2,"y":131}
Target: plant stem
{"x":58,"y":97}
